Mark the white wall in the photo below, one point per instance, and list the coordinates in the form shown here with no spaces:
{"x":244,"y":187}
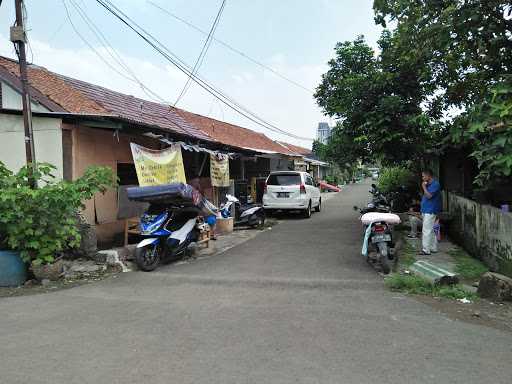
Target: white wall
{"x":11,"y":99}
{"x":47,"y":141}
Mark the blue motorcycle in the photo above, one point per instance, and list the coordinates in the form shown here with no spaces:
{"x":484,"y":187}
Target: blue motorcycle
{"x":169,"y":225}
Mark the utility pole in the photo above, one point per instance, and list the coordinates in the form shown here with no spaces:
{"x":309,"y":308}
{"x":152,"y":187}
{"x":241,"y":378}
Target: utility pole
{"x":18,"y":37}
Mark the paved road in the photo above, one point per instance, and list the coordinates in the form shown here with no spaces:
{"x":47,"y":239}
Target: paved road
{"x":294,"y":305}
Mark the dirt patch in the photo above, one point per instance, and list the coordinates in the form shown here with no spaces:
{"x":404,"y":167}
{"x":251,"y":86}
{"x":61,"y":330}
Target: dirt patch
{"x":481,"y":312}
{"x":478,"y":311}
{"x":34,"y":287}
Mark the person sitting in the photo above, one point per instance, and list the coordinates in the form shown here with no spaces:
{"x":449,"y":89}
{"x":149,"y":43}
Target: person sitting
{"x":415,"y":219}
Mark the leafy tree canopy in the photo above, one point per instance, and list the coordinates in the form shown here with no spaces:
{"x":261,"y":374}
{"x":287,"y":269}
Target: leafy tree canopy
{"x":466,"y":44}
{"x":442,"y":74}
{"x":377,"y":101}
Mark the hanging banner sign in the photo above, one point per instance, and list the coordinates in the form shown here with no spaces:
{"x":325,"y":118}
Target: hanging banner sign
{"x":219,"y":171}
{"x":157,"y":167}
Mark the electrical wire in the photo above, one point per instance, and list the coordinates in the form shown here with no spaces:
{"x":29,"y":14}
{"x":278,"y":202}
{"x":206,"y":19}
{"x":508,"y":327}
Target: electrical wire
{"x":131,"y":78}
{"x":114,"y":54}
{"x":203,"y":52}
{"x":231,"y":48}
{"x":144,"y":88}
{"x":186,"y":69}
{"x":183,"y":67}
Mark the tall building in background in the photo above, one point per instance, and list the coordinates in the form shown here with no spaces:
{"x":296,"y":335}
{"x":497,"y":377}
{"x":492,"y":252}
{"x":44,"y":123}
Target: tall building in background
{"x":323,"y":132}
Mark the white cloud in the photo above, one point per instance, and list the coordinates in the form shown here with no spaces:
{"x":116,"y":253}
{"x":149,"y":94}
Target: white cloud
{"x":286,"y":106}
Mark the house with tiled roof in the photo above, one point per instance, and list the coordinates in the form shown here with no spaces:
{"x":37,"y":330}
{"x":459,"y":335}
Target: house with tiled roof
{"x":297,"y":149}
{"x":310,"y":162}
{"x":78,"y":124}
{"x":271,"y":155}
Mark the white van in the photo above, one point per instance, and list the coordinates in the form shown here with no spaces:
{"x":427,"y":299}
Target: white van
{"x":291,"y":190}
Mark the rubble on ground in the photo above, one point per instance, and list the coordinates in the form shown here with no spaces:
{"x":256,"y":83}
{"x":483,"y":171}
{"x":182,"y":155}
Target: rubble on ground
{"x":495,"y":286}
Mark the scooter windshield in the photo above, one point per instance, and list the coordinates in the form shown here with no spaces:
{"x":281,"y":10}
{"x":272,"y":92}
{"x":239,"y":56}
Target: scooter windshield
{"x":150,"y":223}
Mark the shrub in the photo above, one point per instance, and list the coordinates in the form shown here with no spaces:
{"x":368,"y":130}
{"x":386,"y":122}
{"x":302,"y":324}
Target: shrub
{"x":393,"y":178}
{"x":331,"y":179}
{"x":41,"y":223}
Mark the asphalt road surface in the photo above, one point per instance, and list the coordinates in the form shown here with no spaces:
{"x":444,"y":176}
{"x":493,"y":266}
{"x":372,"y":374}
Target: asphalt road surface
{"x":296,"y":304}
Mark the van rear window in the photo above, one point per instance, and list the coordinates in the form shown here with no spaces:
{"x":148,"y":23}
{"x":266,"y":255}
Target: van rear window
{"x":284,"y":179}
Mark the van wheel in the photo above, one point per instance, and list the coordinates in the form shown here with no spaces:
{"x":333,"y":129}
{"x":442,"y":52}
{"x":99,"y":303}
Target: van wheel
{"x":307,"y":212}
{"x":319,"y":206}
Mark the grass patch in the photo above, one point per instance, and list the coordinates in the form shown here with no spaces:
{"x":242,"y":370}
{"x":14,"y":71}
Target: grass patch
{"x":455,"y":292}
{"x":417,"y":285}
{"x":407,"y":254}
{"x":466,"y":266}
{"x":408,"y":284}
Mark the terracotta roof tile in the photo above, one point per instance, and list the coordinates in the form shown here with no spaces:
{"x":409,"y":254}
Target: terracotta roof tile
{"x":54,"y":88}
{"x":234,"y":135}
{"x":297,"y":149}
{"x":135,"y":109}
{"x":77,"y":96}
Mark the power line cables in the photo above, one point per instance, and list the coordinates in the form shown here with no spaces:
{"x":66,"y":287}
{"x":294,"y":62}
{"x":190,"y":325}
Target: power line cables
{"x":114,"y":55}
{"x":183,"y":67}
{"x":231,"y":48}
{"x":108,"y":48}
{"x":203,"y":52}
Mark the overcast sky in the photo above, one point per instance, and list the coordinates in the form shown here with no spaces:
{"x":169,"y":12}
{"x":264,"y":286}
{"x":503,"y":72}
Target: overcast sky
{"x":294,"y":37}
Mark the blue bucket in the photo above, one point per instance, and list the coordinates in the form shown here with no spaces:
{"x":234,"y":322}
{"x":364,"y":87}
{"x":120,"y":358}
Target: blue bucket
{"x":13,"y":271}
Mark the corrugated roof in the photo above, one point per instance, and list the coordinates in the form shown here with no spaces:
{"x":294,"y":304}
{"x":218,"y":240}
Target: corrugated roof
{"x":234,"y":135}
{"x":76,"y":96}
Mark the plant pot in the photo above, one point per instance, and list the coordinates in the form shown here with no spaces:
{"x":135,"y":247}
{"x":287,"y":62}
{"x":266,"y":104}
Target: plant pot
{"x":51,"y":271}
{"x":13,"y":270}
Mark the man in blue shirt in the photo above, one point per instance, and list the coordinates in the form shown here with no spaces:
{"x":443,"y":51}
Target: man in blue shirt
{"x":430,"y":207}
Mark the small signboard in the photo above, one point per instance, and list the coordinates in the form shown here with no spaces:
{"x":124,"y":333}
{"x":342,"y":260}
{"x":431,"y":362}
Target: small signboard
{"x":158,"y":167}
{"x":219,"y":171}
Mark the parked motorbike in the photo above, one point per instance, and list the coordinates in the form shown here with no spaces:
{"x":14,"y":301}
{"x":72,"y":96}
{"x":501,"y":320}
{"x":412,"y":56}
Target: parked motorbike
{"x":170,"y":224}
{"x":397,"y":201}
{"x":377,"y":203}
{"x":245,"y":214}
{"x":378,"y":220}
{"x":168,"y":231}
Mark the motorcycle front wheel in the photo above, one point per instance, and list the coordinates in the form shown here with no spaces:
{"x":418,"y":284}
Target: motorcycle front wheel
{"x":148,"y":257}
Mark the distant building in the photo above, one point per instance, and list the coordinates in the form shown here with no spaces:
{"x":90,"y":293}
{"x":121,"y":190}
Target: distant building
{"x":323,"y":132}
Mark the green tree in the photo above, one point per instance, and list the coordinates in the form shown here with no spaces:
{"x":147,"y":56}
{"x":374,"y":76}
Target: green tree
{"x":487,"y":128}
{"x":467,"y":50}
{"x":320,"y":149}
{"x":466,"y":45}
{"x":377,"y":100}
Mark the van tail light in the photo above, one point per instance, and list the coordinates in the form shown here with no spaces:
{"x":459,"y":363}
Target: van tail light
{"x":265,"y":188}
{"x":379,"y":228}
{"x":302,"y":189}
